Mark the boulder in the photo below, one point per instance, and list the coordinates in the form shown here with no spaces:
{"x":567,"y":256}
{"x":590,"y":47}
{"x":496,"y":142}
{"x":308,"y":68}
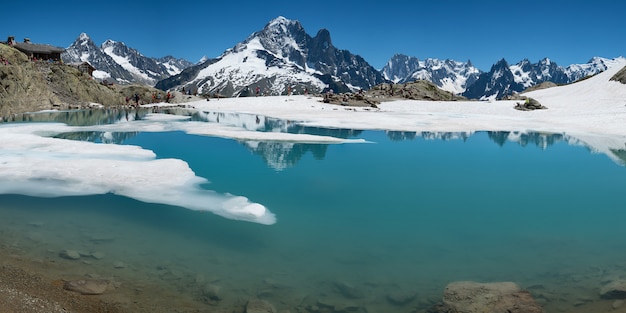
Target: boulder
{"x":259,"y":306}
{"x":212,"y":293}
{"x":70,"y":254}
{"x":401,"y":298}
{"x":614,"y":290}
{"x":348,"y":291}
{"x":87,"y":286}
{"x":499,"y":297}
{"x":529,"y":104}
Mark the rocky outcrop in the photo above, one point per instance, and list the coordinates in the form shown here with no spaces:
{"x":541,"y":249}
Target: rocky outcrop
{"x":544,"y":85}
{"x":620,"y":76}
{"x":27,"y":86}
{"x":614,"y":290}
{"x":417,"y":90}
{"x":259,"y":306}
{"x":473,"y":297}
{"x":529,"y":104}
{"x":87,"y":286}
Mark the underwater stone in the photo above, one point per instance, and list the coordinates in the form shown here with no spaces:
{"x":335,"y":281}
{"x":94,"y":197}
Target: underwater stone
{"x":614,"y":290}
{"x":473,"y":297}
{"x":212,"y":292}
{"x":400,"y":298}
{"x":348,"y":290}
{"x":70,"y":254}
{"x":259,"y":306}
{"x":97,"y":255}
{"x":119,"y":265}
{"x":87,"y":286}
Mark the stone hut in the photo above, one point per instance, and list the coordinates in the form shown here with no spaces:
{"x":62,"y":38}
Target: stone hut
{"x":38,"y":51}
{"x":84,"y":67}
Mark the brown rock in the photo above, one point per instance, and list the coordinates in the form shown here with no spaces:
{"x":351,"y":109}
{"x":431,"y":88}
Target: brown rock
{"x":472,"y":297}
{"x":614,"y":290}
{"x":87,"y":286}
{"x":259,"y":306}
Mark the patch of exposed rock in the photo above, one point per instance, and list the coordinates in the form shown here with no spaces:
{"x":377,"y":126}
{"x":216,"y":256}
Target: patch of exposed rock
{"x":27,"y":86}
{"x":529,"y":104}
{"x":620,"y":76}
{"x":473,"y":297}
{"x":30,"y":86}
{"x":417,"y":90}
{"x":87,"y":286}
{"x":614,"y":290}
{"x":544,"y":85}
{"x":259,"y":306}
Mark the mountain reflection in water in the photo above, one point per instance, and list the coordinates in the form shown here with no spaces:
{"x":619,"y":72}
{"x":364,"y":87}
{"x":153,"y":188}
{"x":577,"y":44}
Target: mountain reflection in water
{"x":277,"y":154}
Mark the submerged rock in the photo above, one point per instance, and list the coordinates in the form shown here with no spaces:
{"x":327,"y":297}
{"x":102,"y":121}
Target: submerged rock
{"x":614,"y":290}
{"x":211,"y":293}
{"x":87,"y":286}
{"x":259,"y":306}
{"x":473,"y":297}
{"x":401,"y":298}
{"x":97,"y":255}
{"x":70,"y":254}
{"x":348,"y":291}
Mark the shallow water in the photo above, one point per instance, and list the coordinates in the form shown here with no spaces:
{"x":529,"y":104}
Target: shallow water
{"x":404,"y":214}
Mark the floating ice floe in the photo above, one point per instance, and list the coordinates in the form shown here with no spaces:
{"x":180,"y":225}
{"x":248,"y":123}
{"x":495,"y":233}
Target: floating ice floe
{"x":35,"y":165}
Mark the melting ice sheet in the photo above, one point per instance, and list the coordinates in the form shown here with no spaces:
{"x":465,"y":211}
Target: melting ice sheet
{"x":36,"y":165}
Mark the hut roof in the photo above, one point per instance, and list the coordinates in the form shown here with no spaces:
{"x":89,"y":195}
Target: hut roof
{"x":37,"y":48}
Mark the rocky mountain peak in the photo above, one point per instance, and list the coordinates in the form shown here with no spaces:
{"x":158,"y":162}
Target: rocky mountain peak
{"x":323,"y":38}
{"x":116,"y":62}
{"x":280,"y":57}
{"x":282,"y":37}
{"x":83,"y":37}
{"x":450,"y":75}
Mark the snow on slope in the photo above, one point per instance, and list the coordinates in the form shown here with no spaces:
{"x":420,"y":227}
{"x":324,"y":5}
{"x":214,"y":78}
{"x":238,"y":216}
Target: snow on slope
{"x":241,"y":67}
{"x":108,"y":48}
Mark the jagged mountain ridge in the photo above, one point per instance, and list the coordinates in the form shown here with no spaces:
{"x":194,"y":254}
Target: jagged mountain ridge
{"x":504,"y":79}
{"x":114,"y":61}
{"x":278,"y":57}
{"x":283,"y":54}
{"x":449,"y":75}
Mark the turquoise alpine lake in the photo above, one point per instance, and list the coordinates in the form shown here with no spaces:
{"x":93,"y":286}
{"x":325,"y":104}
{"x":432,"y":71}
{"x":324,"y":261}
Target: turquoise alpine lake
{"x":382,"y":225}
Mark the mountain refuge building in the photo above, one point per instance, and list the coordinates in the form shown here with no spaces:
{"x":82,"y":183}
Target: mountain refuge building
{"x":36,"y":51}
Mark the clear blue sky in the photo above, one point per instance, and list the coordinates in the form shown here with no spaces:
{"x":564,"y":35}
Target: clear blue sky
{"x":481,"y":31}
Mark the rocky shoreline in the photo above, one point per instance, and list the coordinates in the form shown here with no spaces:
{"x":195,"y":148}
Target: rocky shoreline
{"x":37,"y":286}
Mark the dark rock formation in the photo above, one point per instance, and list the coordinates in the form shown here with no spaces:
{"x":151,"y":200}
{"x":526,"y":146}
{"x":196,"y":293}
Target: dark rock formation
{"x":472,"y":297}
{"x":529,"y":104}
{"x":620,"y":76}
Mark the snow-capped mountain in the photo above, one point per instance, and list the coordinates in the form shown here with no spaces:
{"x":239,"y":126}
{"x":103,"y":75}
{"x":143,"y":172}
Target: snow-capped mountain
{"x":115,"y":61}
{"x":496,"y":83}
{"x":280,"y":57}
{"x":83,"y":49}
{"x":450,"y":75}
{"x":504,"y":79}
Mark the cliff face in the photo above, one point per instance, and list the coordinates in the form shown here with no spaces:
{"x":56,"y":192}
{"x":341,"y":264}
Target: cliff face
{"x":27,"y":86}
